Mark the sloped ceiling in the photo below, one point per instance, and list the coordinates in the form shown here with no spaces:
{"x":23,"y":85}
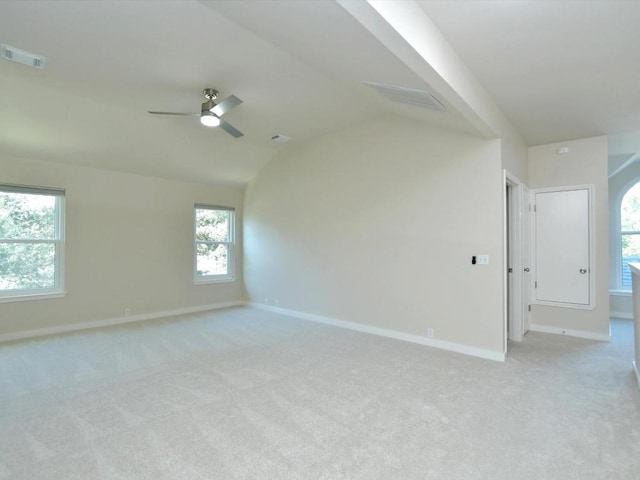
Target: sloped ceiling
{"x":558,"y":71}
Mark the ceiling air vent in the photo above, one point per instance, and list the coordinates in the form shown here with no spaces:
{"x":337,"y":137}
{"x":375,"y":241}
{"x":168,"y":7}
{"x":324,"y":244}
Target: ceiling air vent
{"x":21,"y":56}
{"x":280,"y":138}
{"x":408,"y":96}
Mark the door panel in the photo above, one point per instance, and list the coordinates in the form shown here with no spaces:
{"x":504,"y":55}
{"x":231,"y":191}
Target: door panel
{"x":562,"y":243}
{"x":526,"y":258}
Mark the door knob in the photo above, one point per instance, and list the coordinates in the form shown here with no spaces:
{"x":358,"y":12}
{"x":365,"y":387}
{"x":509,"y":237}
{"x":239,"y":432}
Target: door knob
{"x":526,"y":269}
{"x":583,"y":271}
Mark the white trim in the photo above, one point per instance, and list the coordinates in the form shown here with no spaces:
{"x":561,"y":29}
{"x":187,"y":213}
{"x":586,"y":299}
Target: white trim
{"x":635,"y":369}
{"x":230,"y":276}
{"x":210,"y":279}
{"x":620,"y":293}
{"x":58,"y":288}
{"x":384,"y":332}
{"x":571,"y":333}
{"x":61,"y":206}
{"x":621,"y":315}
{"x":615,"y":233}
{"x":39,"y":332}
{"x":32,"y":296}
{"x":506,"y":182}
{"x":515,"y":301}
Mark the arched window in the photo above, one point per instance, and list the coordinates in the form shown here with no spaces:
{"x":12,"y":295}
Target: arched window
{"x":629,"y":232}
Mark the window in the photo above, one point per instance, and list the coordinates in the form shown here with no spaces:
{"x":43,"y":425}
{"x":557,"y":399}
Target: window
{"x":629,"y":233}
{"x":31,"y":242}
{"x":214,"y":242}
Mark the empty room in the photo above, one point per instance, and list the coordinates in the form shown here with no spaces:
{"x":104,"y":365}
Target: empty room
{"x":319,"y":239}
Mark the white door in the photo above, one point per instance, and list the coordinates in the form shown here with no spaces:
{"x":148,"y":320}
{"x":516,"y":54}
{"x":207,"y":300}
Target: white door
{"x":526,"y":258}
{"x":562,"y":247}
{"x":516,"y":219}
{"x":511,"y":228}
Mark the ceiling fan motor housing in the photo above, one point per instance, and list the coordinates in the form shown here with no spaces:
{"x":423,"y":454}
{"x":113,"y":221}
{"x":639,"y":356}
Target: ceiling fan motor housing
{"x":210,"y":93}
{"x":207,"y":106}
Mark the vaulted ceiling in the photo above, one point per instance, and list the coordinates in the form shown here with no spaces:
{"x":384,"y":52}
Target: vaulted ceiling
{"x":559,"y":70}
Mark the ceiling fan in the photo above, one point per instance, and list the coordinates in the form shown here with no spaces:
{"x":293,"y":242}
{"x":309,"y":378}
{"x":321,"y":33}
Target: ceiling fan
{"x":210,"y":112}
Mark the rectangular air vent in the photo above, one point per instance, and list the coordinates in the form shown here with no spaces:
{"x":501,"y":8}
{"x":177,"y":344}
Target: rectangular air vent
{"x":408,"y":96}
{"x":21,"y":56}
{"x":280,"y":138}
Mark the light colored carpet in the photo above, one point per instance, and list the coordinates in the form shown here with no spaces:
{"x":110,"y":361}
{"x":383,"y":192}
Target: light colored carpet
{"x":244,"y":394}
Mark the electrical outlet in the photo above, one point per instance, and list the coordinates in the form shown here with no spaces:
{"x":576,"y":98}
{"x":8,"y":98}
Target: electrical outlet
{"x":266,"y":301}
{"x":127,"y":312}
{"x":275,"y":302}
{"x":430,"y":332}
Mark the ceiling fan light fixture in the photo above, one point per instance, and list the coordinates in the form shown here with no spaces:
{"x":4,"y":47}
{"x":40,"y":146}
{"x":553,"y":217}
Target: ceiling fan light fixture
{"x":210,"y":112}
{"x":208,"y":119}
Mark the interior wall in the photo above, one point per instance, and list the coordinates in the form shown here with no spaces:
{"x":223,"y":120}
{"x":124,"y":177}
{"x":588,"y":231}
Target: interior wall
{"x":621,"y":305}
{"x":586,"y":163}
{"x":514,"y":154}
{"x":377,"y":225}
{"x":129,"y":244}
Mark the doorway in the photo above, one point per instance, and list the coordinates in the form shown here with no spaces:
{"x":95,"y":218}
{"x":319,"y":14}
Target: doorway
{"x":516,"y":259}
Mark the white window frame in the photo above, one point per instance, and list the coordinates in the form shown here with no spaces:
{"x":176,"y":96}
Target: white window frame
{"x":230,"y":243}
{"x":58,"y":289}
{"x":617,"y":237}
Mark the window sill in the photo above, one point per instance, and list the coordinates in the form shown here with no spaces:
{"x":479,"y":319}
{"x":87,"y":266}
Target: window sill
{"x":620,"y":293}
{"x":32,"y":296}
{"x":206,"y":281}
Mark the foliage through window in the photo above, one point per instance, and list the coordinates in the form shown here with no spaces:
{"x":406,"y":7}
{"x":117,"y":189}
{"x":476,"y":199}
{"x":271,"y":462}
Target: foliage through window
{"x":630,"y":232}
{"x":31,"y":240}
{"x":214,"y":243}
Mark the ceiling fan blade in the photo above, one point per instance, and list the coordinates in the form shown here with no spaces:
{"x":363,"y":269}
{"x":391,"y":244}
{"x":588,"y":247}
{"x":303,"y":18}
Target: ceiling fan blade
{"x":231,"y":130}
{"x":225,"y":105}
{"x":174,"y":113}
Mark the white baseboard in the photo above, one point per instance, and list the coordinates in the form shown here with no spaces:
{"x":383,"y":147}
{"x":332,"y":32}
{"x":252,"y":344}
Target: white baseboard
{"x":384,"y":332}
{"x":572,"y":333}
{"x":621,"y":315}
{"x":635,"y":369}
{"x":40,"y":332}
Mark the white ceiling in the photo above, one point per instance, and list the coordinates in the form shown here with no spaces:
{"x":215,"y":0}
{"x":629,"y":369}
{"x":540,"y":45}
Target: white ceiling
{"x":558,"y":69}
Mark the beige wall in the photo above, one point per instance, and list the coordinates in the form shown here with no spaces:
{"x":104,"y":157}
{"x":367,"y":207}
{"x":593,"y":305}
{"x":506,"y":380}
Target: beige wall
{"x":129,"y":245}
{"x":621,"y":305}
{"x":514,"y":154}
{"x":586,"y":163}
{"x":377,"y":225}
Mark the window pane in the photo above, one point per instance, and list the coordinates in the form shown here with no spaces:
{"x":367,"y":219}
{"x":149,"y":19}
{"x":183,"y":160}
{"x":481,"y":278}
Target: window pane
{"x":27,"y":265}
{"x":630,"y":254}
{"x":630,"y":210}
{"x":24,"y":216}
{"x":212,"y":259}
{"x":212,"y":225}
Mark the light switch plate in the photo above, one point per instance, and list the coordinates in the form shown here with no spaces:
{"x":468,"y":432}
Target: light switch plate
{"x":482,"y":260}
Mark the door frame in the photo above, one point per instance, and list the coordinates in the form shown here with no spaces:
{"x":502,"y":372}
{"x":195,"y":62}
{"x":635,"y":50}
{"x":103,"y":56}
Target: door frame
{"x":527,"y":258}
{"x":515,"y":214}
